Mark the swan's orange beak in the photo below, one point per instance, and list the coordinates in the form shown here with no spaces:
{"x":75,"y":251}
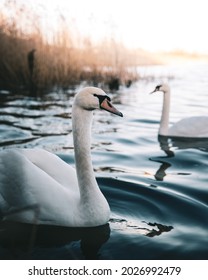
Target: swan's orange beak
{"x":106,"y":105}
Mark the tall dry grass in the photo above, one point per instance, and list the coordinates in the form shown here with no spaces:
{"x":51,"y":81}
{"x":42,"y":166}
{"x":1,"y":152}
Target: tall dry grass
{"x":62,"y":62}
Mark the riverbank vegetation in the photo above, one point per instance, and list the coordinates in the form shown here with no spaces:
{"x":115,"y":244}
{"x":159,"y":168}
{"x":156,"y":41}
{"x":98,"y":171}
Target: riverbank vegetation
{"x":37,"y":59}
{"x":31,"y":61}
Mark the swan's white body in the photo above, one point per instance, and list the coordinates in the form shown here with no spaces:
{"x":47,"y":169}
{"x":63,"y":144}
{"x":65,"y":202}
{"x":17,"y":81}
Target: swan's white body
{"x":64,"y":196}
{"x":194,"y":127}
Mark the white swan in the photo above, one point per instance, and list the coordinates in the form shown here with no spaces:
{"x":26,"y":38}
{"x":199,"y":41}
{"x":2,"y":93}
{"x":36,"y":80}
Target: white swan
{"x":64,"y":196}
{"x":195,"y":127}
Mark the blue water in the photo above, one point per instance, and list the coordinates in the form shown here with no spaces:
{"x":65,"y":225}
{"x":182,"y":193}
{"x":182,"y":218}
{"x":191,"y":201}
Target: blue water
{"x":157,"y":188}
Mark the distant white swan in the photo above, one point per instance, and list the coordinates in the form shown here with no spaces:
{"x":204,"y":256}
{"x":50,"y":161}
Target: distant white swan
{"x":187,"y":127}
{"x":65,"y":196}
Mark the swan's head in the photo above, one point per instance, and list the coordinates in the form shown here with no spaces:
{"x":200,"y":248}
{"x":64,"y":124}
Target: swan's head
{"x":91,"y":98}
{"x":162,"y":87}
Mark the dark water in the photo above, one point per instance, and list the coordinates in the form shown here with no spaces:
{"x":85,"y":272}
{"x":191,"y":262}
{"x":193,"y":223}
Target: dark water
{"x":157,"y":188}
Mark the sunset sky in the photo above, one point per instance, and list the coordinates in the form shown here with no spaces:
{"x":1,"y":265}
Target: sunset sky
{"x":149,"y":24}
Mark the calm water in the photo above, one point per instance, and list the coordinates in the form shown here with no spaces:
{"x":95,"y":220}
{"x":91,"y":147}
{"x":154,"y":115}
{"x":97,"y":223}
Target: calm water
{"x":157,"y":189}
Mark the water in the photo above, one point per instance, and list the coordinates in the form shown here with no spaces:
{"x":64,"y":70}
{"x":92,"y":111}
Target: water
{"x":157,"y":188}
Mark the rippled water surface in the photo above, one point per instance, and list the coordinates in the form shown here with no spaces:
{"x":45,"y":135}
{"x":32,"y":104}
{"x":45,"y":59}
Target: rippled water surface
{"x":157,"y":188}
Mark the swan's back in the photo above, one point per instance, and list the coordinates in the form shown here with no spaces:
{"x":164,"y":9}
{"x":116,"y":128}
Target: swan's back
{"x":190,"y":127}
{"x":36,"y":177}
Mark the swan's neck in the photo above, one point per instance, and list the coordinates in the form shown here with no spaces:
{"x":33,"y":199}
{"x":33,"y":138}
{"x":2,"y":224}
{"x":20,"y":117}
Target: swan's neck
{"x":164,"y":122}
{"x":81,"y":125}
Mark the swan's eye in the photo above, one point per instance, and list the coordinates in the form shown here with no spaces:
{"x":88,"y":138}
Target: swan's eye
{"x":158,"y":87}
{"x":102,"y":97}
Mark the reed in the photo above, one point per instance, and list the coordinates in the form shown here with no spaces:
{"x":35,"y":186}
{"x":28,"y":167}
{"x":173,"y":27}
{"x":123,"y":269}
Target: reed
{"x":29,"y":61}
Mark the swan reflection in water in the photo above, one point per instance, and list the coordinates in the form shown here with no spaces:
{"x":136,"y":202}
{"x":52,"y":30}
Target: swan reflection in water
{"x":21,"y":240}
{"x":181,"y":143}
